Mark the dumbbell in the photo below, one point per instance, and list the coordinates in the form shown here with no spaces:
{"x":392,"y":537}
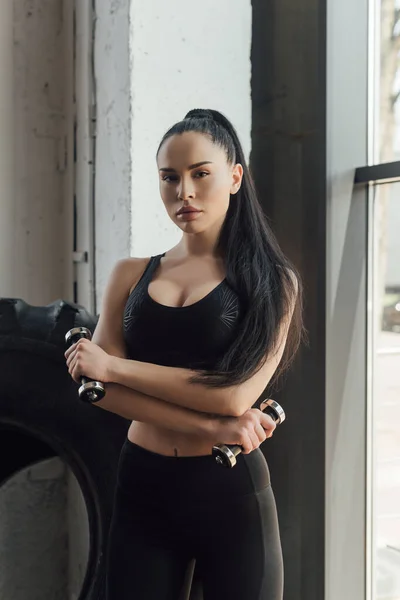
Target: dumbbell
{"x":89,"y":391}
{"x":226,"y":455}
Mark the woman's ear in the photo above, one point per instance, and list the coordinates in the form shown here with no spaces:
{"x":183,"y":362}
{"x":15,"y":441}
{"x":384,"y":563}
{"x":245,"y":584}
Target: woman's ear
{"x":237,"y":176}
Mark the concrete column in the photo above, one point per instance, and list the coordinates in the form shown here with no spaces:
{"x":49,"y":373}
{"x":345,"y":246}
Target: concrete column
{"x":85,"y":127}
{"x":7,"y":201}
{"x":42,"y":126}
{"x":113,"y":179}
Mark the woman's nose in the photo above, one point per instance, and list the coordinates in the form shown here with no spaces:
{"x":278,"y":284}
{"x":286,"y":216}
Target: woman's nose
{"x":185,"y":190}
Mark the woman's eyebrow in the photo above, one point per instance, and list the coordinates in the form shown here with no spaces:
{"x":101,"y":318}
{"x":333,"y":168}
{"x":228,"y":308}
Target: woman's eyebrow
{"x":199,"y":164}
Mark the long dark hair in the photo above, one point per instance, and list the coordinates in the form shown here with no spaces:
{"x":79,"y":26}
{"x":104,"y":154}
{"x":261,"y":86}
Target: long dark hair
{"x":266,"y":282}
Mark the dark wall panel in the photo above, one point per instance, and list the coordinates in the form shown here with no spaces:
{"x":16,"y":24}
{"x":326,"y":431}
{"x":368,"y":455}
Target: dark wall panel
{"x":288,"y":162}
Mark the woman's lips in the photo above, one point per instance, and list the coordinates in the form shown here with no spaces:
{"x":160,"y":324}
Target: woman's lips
{"x":189,"y":215}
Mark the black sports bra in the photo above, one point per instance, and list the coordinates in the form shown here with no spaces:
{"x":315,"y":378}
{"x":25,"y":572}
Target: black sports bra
{"x":192,"y":336}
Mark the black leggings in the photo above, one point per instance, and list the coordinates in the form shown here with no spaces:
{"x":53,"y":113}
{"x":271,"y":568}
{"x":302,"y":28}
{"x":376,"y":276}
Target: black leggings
{"x":169,"y":510}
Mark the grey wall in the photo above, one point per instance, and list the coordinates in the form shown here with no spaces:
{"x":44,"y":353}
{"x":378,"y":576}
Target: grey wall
{"x":347,"y":545}
{"x":41,"y":256}
{"x":7,"y":156}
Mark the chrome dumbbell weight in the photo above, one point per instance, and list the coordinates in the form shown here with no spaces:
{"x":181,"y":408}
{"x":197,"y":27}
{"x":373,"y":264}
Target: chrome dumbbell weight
{"x":89,"y":391}
{"x":226,"y":455}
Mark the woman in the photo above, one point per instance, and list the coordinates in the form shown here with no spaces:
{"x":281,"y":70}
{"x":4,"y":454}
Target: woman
{"x":187,"y":341}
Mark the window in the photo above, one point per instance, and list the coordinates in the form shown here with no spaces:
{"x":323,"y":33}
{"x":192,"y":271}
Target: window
{"x":384,"y":290}
{"x":385,"y":397}
{"x":387,"y":80}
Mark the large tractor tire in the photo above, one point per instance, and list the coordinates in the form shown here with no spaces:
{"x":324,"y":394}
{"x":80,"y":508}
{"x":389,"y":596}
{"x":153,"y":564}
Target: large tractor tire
{"x":41,"y":415}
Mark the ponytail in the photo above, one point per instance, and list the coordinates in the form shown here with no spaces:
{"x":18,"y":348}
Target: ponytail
{"x":268,"y":286}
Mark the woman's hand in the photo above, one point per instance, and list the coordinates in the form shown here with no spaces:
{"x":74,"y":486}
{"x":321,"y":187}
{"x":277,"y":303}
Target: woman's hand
{"x":87,"y":359}
{"x":247,"y":431}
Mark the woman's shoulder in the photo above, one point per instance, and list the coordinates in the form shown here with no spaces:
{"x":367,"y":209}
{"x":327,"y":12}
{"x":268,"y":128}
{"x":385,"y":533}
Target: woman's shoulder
{"x":132,"y":262}
{"x":129,"y":270}
{"x":130,"y":265}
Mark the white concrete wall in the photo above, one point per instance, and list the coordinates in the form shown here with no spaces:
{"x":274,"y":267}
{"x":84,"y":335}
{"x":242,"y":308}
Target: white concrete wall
{"x":182,"y":56}
{"x":181,"y":59}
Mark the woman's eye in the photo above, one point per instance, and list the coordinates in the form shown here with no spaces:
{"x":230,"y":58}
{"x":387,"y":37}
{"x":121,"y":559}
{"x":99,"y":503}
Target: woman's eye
{"x":170,"y":178}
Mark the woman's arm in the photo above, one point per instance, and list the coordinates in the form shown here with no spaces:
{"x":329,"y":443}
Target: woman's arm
{"x":170,"y":384}
{"x":135,"y":406}
{"x":173,"y":385}
{"x":248,"y":431}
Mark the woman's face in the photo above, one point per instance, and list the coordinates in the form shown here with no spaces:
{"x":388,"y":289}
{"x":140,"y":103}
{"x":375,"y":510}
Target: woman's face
{"x":195,"y":174}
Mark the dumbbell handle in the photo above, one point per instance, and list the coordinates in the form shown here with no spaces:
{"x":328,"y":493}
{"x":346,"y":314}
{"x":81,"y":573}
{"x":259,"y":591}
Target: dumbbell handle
{"x":226,"y":455}
{"x":89,"y":391}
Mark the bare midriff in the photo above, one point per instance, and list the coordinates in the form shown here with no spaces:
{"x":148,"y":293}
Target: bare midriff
{"x":167,"y":442}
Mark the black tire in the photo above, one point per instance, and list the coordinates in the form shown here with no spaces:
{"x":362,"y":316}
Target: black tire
{"x":38,"y":399}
